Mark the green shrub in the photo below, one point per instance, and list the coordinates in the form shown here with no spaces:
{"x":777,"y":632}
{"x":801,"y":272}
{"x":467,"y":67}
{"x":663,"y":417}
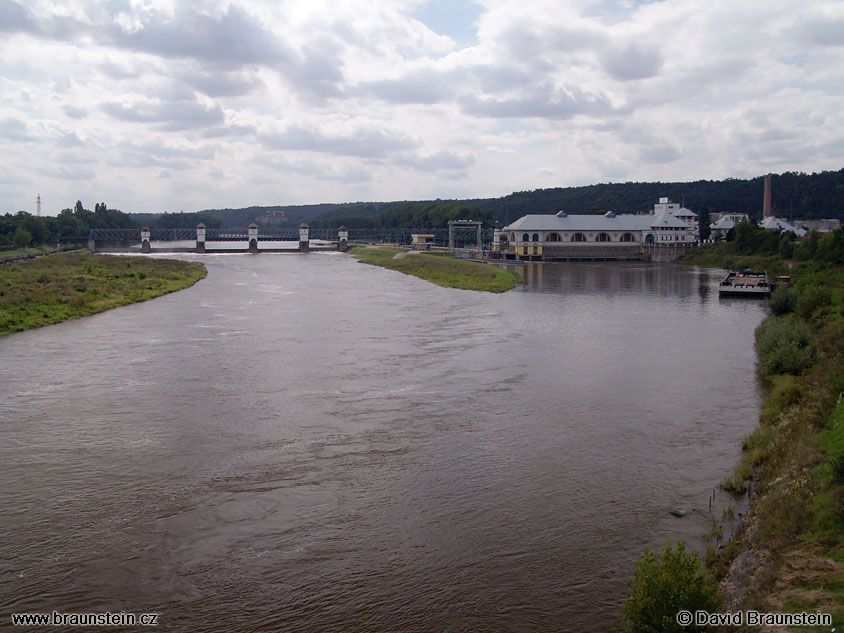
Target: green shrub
{"x":783,"y":300}
{"x":784,"y":346}
{"x":836,"y":462}
{"x":811,"y":300}
{"x":760,"y":438}
{"x":785,"y":392}
{"x":663,"y":585}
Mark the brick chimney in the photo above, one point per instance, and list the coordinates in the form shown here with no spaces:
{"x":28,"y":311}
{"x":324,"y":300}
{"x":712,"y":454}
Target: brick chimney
{"x":766,"y":201}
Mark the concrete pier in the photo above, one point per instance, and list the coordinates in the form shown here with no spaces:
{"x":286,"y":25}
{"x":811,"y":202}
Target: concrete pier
{"x":304,"y":242}
{"x":253,"y":238}
{"x":200,"y":238}
{"x":343,"y":239}
{"x":145,"y":247}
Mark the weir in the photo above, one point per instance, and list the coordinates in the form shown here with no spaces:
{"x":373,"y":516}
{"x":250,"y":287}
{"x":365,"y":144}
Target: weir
{"x":256,"y":239}
{"x":205,"y":240}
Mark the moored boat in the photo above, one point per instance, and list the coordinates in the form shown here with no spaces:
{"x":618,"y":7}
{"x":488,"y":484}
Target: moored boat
{"x":745,"y":283}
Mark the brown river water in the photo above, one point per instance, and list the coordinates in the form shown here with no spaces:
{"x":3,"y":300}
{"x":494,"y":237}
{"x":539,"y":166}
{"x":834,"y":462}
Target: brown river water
{"x":305,"y":443}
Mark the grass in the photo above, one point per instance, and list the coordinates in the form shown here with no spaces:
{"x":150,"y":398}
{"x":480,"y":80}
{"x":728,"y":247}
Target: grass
{"x":63,"y":286}
{"x":13,"y":253}
{"x":441,"y":270}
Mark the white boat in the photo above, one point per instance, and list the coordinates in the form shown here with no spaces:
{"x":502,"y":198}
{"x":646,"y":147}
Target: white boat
{"x":745,"y":283}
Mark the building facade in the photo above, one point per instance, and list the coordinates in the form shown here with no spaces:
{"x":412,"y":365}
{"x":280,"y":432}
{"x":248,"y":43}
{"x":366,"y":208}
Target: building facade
{"x":607,"y":236}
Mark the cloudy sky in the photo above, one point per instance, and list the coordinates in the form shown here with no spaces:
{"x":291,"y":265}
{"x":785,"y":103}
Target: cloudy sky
{"x":167,"y":105}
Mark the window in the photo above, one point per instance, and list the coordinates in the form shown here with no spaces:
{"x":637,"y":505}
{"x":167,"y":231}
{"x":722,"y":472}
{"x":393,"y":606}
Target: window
{"x":627,"y":237}
{"x":554,"y":237}
{"x":512,"y":237}
{"x":578,"y":237}
{"x":536,"y":237}
{"x":603,"y":237}
{"x":525,"y":237}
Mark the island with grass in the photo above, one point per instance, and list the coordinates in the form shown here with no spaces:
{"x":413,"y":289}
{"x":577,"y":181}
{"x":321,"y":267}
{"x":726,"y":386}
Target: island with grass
{"x":63,"y":286}
{"x":440,"y":268}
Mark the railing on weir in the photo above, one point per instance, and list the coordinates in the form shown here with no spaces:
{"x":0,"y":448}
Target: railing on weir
{"x":463,"y":238}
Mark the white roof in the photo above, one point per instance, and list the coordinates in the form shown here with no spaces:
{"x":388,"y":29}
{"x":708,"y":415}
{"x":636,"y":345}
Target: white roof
{"x":668,"y":220}
{"x":723,"y":224}
{"x":683,"y":212}
{"x":607,"y":222}
{"x":781,"y":225}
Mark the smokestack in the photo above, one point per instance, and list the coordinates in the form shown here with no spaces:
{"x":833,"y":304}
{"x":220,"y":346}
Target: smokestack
{"x":766,"y":202}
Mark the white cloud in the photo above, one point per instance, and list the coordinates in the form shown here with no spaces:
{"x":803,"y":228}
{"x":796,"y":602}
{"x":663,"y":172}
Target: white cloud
{"x":260,"y":102}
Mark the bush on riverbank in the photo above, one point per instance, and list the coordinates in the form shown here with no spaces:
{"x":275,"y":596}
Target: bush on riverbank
{"x":783,"y":300}
{"x":784,"y":346}
{"x":58,"y":287}
{"x":663,"y":585}
{"x":441,"y":269}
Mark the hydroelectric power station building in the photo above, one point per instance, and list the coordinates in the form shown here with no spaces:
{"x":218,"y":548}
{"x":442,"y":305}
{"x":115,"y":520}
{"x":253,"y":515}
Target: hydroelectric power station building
{"x":665,"y":233}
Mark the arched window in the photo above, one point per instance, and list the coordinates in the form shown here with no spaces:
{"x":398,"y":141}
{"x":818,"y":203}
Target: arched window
{"x":578,"y":237}
{"x":536,"y":237}
{"x":649,"y":238}
{"x":512,"y":237}
{"x":603,"y":237}
{"x":554,"y":237}
{"x":525,"y":237}
{"x":628,"y":237}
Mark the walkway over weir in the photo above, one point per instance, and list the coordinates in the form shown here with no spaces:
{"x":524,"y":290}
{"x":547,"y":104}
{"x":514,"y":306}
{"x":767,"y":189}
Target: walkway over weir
{"x":253,"y":236}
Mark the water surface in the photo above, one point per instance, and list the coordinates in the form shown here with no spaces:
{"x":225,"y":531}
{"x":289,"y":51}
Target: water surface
{"x":305,"y":443}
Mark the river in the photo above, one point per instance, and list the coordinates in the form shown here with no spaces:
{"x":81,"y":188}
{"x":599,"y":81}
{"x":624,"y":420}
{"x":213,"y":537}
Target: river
{"x":306,"y":443}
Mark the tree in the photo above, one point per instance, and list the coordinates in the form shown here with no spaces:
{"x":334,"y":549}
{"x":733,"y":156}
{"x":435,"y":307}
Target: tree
{"x":705,"y":231}
{"x":35,"y":225}
{"x":23,"y":238}
{"x":664,"y":585}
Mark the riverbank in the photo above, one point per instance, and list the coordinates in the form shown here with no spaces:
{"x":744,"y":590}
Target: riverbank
{"x":54,"y":288}
{"x":787,"y":554}
{"x":439,"y":268}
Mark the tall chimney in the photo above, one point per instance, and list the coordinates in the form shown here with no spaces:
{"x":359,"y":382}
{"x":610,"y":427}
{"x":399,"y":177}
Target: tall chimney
{"x":766,"y":201}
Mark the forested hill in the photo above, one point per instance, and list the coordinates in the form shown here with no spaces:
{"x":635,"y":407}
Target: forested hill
{"x":803,"y":196}
{"x":794,"y":195}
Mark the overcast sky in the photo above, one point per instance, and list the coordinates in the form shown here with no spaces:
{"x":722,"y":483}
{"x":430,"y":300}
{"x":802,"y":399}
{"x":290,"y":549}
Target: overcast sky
{"x":162,"y":105}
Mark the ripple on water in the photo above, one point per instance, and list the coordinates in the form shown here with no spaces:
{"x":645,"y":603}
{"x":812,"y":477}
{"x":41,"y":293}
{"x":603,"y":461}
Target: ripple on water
{"x":305,"y":443}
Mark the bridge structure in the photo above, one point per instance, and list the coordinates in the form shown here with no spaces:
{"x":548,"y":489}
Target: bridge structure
{"x":259,"y":239}
{"x":203,"y":240}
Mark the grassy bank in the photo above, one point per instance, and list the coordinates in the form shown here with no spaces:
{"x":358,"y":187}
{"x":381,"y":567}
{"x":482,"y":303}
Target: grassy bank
{"x":440,"y":268}
{"x":787,"y":552}
{"x":793,"y":463}
{"x":64,"y":286}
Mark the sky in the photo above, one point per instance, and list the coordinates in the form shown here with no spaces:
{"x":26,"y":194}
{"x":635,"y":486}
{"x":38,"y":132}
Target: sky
{"x":169,"y":105}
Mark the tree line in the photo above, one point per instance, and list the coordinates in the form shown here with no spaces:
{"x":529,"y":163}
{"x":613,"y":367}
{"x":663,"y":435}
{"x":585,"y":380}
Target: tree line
{"x":795,"y":195}
{"x":24,"y":229}
{"x":748,"y":238}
